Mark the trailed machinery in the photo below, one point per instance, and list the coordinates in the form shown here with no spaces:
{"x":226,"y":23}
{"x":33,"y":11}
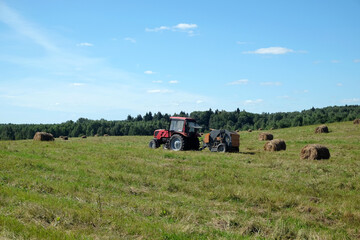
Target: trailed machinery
{"x":222,"y":141}
{"x":183,"y":135}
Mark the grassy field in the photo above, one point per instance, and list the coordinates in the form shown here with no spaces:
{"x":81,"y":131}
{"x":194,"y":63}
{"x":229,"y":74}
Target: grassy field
{"x":118,"y":188}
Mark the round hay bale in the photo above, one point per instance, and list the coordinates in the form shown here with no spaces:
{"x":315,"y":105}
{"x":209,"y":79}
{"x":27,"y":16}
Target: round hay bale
{"x":260,"y":129}
{"x":96,"y":135}
{"x":265,"y":136}
{"x":357,"y":121}
{"x":315,"y":151}
{"x":271,"y":128}
{"x":106,"y":135}
{"x":64,"y":137}
{"x":322,"y":129}
{"x":83,"y":136}
{"x":249,"y":130}
{"x":43,"y":136}
{"x":275,"y":145}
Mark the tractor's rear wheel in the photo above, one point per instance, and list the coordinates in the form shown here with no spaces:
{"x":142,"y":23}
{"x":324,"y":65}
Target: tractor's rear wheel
{"x":195,"y":144}
{"x":154,"y":143}
{"x":177,"y":143}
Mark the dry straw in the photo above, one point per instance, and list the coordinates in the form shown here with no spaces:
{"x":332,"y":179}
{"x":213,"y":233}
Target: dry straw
{"x":43,"y":136}
{"x":265,"y":136}
{"x":275,"y":145}
{"x":315,"y":151}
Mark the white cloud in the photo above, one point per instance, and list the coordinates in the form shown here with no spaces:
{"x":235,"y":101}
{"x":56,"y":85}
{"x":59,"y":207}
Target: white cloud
{"x":129,"y":39}
{"x":335,"y":61}
{"x":239,"y":82}
{"x":252,"y":102}
{"x":306,"y":91}
{"x":85,"y":44}
{"x":199,"y":101}
{"x":271,"y":50}
{"x":77,"y":84}
{"x":158,"y":29}
{"x":181,"y":27}
{"x":316,"y":62}
{"x":185,"y":26}
{"x":159,"y":91}
{"x":173,"y":81}
{"x":339,"y":84}
{"x":271,"y":83}
{"x":157,"y":81}
{"x":356,"y":61}
{"x":351,"y":100}
{"x":149,"y":72}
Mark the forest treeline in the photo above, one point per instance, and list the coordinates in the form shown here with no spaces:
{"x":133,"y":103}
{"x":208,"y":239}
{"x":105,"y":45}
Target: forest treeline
{"x":146,"y":124}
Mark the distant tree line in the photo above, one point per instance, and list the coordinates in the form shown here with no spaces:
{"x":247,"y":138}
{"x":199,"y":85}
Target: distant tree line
{"x":145,"y":125}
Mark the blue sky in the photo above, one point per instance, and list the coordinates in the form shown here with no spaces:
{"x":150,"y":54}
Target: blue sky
{"x":62,"y":60}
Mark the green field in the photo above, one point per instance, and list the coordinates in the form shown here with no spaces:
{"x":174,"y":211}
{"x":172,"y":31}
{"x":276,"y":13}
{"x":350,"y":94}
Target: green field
{"x":118,"y":188}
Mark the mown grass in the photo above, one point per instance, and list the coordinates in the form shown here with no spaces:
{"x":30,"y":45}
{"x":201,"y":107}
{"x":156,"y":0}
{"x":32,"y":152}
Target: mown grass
{"x":118,"y":188}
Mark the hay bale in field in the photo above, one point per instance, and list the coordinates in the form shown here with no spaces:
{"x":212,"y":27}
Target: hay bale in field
{"x":64,"y":137}
{"x":271,"y":128}
{"x":275,"y":145}
{"x":43,"y":136}
{"x":96,"y":135}
{"x":106,"y":135}
{"x":315,"y":151}
{"x":249,"y":130}
{"x":265,"y":136}
{"x":260,"y":129}
{"x":322,"y":129}
{"x":357,"y":121}
{"x":83,"y":136}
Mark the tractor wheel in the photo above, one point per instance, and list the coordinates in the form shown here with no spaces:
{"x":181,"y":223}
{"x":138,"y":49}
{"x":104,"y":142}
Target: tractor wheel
{"x":195,"y":144}
{"x":177,"y":143}
{"x":221,"y":147}
{"x":154,"y":143}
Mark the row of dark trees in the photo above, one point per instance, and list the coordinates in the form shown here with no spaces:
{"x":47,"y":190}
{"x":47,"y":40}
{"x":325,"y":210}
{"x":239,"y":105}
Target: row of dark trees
{"x":145,"y":125}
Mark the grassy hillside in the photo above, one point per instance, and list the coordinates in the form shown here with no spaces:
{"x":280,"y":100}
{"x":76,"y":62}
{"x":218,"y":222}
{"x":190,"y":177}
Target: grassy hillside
{"x":116,"y":187}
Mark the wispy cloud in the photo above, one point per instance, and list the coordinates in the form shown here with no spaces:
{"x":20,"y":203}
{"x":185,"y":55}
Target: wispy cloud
{"x":159,"y":91}
{"x":252,"y":102}
{"x":15,"y":21}
{"x":181,"y":27}
{"x":271,"y":83}
{"x":129,"y":39}
{"x":335,"y":61}
{"x":77,"y":84}
{"x":356,"y":61}
{"x":199,"y":101}
{"x":85,"y":44}
{"x":339,"y":84}
{"x":351,"y":100}
{"x":242,"y":43}
{"x":149,"y":72}
{"x":239,"y":82}
{"x":270,"y":50}
{"x":173,"y":81}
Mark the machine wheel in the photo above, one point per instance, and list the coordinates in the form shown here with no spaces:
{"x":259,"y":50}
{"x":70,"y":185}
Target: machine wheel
{"x":154,"y":143}
{"x":177,"y":143}
{"x":221,"y":147}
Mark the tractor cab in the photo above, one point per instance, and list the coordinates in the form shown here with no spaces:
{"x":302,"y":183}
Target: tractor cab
{"x":184,"y":126}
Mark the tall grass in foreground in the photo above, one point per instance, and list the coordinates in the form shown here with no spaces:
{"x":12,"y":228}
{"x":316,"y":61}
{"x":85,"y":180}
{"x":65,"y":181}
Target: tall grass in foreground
{"x":118,"y":188}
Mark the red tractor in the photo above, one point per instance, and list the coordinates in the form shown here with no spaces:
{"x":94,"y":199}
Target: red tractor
{"x":182,"y":135}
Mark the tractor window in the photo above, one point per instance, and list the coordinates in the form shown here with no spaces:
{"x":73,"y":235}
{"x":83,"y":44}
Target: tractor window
{"x":177,"y":125}
{"x":193,"y":127}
